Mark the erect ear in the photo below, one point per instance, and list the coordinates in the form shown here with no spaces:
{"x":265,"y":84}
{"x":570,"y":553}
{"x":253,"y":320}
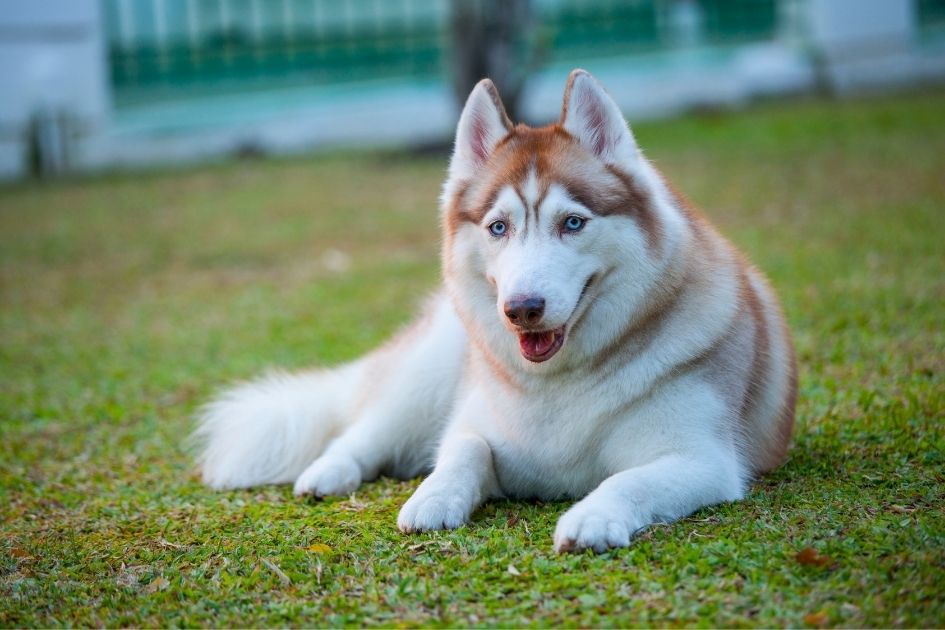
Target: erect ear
{"x":591,"y":115}
{"x":481,"y":125}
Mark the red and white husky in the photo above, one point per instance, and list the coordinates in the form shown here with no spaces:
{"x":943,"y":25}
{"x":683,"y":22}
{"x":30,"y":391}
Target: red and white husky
{"x":596,"y":339}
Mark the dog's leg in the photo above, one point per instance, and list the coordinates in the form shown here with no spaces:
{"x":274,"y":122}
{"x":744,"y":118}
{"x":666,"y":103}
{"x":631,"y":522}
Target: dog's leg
{"x":396,"y":436}
{"x":463,"y":478}
{"x":347,"y":462}
{"x":674,"y":457}
{"x":403,"y":405}
{"x":662,"y":491}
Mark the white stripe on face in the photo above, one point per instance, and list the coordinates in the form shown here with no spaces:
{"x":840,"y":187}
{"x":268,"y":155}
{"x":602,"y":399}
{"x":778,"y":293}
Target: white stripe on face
{"x":534,"y":259}
{"x":530,"y":192}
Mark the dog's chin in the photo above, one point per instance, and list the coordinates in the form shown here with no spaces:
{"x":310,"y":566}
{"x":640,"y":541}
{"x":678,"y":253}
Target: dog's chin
{"x":539,"y":346}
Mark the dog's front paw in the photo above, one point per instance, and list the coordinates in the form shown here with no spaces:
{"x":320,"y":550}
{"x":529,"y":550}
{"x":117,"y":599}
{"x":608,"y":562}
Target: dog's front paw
{"x":329,"y":476}
{"x":431,"y":510}
{"x":589,"y":526}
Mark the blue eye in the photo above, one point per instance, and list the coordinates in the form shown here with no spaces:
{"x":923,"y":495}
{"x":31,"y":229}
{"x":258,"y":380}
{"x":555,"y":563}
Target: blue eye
{"x":574,"y":223}
{"x":498,"y":228}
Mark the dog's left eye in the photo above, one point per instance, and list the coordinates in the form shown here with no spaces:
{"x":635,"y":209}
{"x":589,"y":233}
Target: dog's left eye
{"x":574,"y":223}
{"x":498,"y":228}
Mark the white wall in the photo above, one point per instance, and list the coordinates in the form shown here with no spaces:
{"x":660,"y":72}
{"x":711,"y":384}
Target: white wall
{"x":864,"y":43}
{"x":51,"y":56}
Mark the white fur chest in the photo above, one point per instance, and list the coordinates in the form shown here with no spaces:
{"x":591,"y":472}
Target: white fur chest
{"x":549,"y":444}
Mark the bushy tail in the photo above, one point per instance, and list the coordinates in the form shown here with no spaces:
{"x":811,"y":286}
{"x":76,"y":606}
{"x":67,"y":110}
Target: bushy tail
{"x":270,"y":430}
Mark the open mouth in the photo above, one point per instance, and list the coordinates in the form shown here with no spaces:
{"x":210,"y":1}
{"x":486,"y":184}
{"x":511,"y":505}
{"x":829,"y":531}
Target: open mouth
{"x":541,"y":345}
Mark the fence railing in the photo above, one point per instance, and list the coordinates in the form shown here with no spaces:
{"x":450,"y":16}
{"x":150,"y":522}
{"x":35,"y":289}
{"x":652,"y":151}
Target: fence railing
{"x":179,"y":48}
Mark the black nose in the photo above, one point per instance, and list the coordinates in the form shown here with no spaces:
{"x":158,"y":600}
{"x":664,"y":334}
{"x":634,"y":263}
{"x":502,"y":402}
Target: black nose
{"x":525,"y":311}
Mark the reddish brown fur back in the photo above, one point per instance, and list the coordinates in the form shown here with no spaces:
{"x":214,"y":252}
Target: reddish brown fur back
{"x":767,"y":453}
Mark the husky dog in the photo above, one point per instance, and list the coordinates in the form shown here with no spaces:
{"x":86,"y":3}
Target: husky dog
{"x":595,"y":339}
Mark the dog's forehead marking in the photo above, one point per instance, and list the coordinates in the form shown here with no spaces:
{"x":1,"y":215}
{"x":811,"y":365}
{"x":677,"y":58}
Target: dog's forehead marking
{"x":527,"y":201}
{"x":510,"y":202}
{"x":531,"y":194}
{"x":530,"y":189}
{"x":557,"y":199}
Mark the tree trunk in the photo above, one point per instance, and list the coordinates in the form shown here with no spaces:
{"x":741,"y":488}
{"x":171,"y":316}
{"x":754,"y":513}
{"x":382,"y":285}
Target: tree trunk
{"x":494,"y":39}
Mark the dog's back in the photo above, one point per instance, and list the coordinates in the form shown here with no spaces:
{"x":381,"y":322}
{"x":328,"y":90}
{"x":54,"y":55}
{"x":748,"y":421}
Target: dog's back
{"x":753,"y":364}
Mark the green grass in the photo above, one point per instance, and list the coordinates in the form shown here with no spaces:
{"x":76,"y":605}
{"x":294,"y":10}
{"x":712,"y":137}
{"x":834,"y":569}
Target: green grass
{"x":127,"y":299}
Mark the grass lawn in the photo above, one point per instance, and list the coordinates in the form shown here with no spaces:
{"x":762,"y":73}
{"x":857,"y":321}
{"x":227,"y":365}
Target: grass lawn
{"x":125,"y":300}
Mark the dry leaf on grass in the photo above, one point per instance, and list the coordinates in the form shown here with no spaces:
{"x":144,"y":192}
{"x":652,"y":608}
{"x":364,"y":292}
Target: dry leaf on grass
{"x":812,"y":558}
{"x":157,"y":584}
{"x":319,"y":548}
{"x":285,"y":579}
{"x":818,"y":619}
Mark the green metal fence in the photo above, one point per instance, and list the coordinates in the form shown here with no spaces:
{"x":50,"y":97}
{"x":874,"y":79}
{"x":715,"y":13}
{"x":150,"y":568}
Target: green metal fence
{"x":188,"y":46}
{"x":582,"y":30}
{"x":179,"y":48}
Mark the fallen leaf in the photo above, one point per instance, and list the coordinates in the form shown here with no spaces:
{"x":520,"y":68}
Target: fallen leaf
{"x":16,"y":552}
{"x":444,"y":545}
{"x":285,"y":579}
{"x":129,"y":576}
{"x":353,"y":504}
{"x":512,"y":521}
{"x":513,"y":570}
{"x":810,"y":557}
{"x":818,"y":619}
{"x":319,"y":548}
{"x":157,"y":584}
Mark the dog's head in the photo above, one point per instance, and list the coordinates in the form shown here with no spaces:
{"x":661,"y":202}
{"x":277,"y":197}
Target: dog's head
{"x":547,"y":230}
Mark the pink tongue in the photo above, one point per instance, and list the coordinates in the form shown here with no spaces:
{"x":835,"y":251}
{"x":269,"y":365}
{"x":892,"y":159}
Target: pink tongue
{"x":536,"y":344}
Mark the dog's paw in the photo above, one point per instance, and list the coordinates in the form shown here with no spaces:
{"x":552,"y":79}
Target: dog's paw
{"x":589,"y":526}
{"x":431,"y":510}
{"x":329,"y":476}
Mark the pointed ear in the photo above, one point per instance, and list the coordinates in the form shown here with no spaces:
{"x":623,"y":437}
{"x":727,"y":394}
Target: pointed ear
{"x":482,"y":125}
{"x":591,"y":115}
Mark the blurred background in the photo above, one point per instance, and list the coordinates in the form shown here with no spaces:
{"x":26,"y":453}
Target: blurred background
{"x":95,"y":84}
{"x":811,"y":131}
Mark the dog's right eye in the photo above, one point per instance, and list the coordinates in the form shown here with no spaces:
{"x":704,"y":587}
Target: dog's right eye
{"x":498,"y":228}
